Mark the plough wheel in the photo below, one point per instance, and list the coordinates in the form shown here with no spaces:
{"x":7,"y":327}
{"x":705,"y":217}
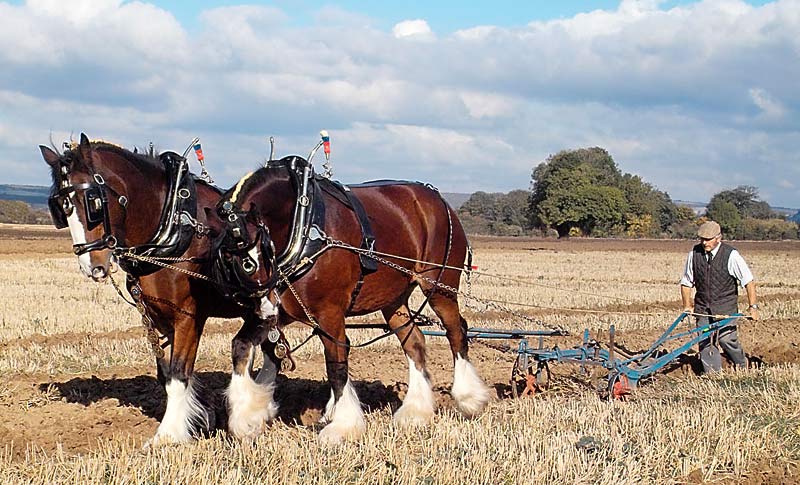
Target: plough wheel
{"x":620,"y":387}
{"x":525,"y":381}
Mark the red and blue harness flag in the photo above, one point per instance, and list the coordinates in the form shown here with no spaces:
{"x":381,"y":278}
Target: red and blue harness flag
{"x":326,"y":144}
{"x":198,"y":151}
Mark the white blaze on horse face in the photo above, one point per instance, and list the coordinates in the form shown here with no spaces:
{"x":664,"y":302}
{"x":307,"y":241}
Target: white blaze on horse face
{"x":255,"y":256}
{"x":78,"y":233}
{"x":469,"y":391}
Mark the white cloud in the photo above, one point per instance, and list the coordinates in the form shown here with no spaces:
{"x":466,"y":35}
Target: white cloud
{"x":770,"y":107}
{"x":416,"y":29}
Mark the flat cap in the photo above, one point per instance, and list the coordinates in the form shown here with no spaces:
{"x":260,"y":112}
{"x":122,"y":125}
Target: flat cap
{"x":708,"y":230}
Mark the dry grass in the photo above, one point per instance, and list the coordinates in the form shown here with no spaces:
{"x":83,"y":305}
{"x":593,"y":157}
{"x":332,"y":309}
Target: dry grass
{"x":709,"y":428}
{"x":728,"y":427}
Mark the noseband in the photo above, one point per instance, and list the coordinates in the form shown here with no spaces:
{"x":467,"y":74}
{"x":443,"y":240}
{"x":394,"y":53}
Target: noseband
{"x":95,"y":204}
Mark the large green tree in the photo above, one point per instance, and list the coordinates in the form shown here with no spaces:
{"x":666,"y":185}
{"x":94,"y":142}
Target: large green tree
{"x":584,"y":190}
{"x":725,"y":213}
{"x":746,"y":200}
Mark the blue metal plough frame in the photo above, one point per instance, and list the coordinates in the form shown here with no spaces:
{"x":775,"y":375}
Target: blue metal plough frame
{"x":531,"y":370}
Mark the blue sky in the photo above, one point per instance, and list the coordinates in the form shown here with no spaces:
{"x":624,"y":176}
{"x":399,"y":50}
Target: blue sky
{"x":693,"y":96}
{"x":442,"y":15}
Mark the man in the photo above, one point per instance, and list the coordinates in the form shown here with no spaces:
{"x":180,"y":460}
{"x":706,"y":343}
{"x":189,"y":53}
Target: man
{"x":716,"y":270}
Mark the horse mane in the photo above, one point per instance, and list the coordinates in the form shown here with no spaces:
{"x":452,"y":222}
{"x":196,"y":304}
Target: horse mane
{"x":246,"y":184}
{"x":70,"y":158}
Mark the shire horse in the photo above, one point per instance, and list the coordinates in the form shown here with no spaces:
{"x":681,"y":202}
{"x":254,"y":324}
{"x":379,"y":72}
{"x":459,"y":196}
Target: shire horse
{"x":289,"y":244}
{"x":119,"y":204}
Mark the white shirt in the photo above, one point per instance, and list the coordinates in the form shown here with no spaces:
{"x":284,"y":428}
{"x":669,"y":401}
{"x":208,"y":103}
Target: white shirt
{"x":736,"y":268}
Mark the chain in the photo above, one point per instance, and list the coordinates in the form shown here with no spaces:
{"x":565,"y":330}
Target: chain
{"x":158,"y":262}
{"x":297,"y":297}
{"x":148,"y":323}
{"x":454,"y":291}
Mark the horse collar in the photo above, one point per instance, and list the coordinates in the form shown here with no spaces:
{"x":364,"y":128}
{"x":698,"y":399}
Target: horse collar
{"x":177,"y":226}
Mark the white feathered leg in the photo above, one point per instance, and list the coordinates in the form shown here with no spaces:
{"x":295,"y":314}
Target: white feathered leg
{"x":183,"y":410}
{"x":418,"y":406}
{"x":469,"y":391}
{"x":250,"y":402}
{"x":346,"y":419}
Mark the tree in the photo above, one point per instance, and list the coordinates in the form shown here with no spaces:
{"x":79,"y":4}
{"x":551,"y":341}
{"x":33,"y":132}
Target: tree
{"x":725,"y":213}
{"x":745,"y":199}
{"x":511,"y":208}
{"x":585,"y":189}
{"x":575,"y":201}
{"x":14,"y":211}
{"x":480,"y":204}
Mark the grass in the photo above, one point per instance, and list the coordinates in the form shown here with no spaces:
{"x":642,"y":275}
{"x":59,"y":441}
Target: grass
{"x":743,"y":427}
{"x":714,"y":428}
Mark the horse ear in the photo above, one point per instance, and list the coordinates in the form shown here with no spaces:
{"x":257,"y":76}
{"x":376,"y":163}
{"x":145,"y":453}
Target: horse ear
{"x":85,"y":147}
{"x":49,"y":156}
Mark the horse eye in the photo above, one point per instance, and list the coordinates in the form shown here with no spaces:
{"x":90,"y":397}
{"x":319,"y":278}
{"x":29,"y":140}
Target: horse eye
{"x":66,"y":204}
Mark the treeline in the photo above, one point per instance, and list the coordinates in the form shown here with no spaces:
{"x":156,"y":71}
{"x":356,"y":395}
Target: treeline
{"x":17,"y":212}
{"x":583,"y":193}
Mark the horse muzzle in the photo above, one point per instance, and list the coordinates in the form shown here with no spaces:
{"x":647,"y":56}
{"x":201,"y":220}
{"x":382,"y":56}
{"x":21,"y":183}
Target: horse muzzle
{"x":99,"y":273}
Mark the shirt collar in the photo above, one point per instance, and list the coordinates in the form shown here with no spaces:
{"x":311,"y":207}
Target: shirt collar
{"x":715,"y":250}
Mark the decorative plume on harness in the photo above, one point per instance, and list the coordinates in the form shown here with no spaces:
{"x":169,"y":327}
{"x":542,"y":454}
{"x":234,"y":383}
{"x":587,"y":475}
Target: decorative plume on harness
{"x":326,"y":148}
{"x":198,"y":152}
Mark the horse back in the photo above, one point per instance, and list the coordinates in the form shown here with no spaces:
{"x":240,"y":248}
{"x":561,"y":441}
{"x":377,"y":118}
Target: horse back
{"x":413,"y":220}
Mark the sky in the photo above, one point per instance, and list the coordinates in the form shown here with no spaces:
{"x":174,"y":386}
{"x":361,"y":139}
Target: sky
{"x":693,"y":96}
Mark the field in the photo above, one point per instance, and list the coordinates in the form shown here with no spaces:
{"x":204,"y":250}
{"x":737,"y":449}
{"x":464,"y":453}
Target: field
{"x":79,"y":396}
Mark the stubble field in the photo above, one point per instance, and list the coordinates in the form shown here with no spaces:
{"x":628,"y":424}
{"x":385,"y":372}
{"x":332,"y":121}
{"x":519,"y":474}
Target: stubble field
{"x":79,"y":397}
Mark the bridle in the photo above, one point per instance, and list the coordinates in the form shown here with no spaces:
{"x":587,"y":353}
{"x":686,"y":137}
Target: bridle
{"x":95,"y":204}
{"x":233,"y":265}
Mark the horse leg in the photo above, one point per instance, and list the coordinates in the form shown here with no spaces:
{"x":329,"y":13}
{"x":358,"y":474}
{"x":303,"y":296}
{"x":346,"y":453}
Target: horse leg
{"x":250,"y":402}
{"x":469,"y":391}
{"x":343,"y":412}
{"x":418,"y":406}
{"x":186,"y":416}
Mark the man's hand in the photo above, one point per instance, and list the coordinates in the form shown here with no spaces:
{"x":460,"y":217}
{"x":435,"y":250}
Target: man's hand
{"x":688,"y":310}
{"x":753,"y":314}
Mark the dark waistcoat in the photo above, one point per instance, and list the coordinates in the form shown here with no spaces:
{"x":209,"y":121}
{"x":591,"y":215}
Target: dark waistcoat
{"x":717,"y":290}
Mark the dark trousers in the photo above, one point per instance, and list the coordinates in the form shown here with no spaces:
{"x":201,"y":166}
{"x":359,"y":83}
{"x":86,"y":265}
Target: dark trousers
{"x":728,"y":341}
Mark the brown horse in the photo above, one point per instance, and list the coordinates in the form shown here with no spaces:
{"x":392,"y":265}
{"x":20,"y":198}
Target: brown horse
{"x":127,"y":206}
{"x":290,"y":242}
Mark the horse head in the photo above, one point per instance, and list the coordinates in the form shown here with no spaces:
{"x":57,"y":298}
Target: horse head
{"x":255,"y":213}
{"x":91,"y":183}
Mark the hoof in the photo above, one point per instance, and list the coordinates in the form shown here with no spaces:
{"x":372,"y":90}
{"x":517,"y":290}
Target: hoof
{"x":335,"y":434}
{"x":164,"y":439}
{"x":247,"y":426}
{"x":410,"y":416}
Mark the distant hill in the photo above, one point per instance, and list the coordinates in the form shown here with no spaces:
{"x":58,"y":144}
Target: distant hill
{"x":698,"y":207}
{"x":795,"y":218}
{"x":35,"y":195}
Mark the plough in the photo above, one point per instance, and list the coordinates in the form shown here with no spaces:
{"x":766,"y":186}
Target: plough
{"x":531,"y":369}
